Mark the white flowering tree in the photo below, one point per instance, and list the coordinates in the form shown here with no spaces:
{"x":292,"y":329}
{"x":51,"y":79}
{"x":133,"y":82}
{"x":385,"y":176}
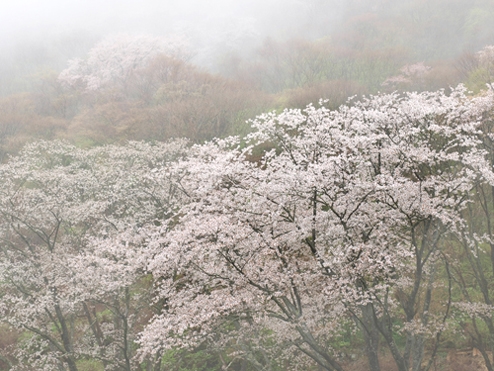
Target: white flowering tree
{"x":346,"y":220}
{"x":116,"y":58}
{"x":478,"y":68}
{"x":473,"y":272}
{"x":412,"y":76}
{"x":73,"y":232}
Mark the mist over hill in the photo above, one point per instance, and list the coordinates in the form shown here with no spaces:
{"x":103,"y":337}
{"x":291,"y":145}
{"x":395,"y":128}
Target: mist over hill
{"x":38,"y":36}
{"x":251,"y":185}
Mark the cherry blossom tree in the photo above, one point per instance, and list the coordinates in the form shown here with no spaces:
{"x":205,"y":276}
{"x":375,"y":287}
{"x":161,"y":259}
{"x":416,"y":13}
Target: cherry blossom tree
{"x":73,"y":240}
{"x":481,"y":69}
{"x":473,"y":268}
{"x":411,"y":76}
{"x":116,"y":57}
{"x":345,"y":220}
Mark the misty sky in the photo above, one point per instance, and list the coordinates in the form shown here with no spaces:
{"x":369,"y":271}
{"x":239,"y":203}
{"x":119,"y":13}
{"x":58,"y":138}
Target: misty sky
{"x":32,"y":19}
{"x":68,"y":28}
{"x":29,"y":17}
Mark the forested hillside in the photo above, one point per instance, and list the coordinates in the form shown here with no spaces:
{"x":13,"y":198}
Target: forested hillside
{"x":312,"y":195}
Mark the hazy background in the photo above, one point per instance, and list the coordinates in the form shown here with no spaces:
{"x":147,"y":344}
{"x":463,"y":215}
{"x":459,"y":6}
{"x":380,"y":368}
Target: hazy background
{"x":44,"y":34}
{"x":29,"y":18}
{"x":39,"y":36}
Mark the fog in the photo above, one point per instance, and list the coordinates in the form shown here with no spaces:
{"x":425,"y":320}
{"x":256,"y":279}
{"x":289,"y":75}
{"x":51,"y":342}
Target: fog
{"x":39,"y":36}
{"x":56,"y":30}
{"x":30,"y":17}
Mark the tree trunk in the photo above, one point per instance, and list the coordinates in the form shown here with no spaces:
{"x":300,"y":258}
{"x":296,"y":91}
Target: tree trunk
{"x":67,"y":343}
{"x":371,"y":337}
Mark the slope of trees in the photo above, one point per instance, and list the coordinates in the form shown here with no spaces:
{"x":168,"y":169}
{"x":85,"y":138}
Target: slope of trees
{"x":129,"y":88}
{"x":356,"y":228}
{"x":125,"y":89}
{"x":359,"y":225}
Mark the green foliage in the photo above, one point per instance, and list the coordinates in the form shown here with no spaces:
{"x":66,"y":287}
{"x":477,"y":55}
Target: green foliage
{"x":183,"y":360}
{"x":90,"y":365}
{"x":478,"y":80}
{"x":477,"y":19}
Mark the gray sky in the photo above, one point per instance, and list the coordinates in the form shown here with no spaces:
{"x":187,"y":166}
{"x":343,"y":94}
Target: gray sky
{"x":53,"y":31}
{"x":31,"y":18}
